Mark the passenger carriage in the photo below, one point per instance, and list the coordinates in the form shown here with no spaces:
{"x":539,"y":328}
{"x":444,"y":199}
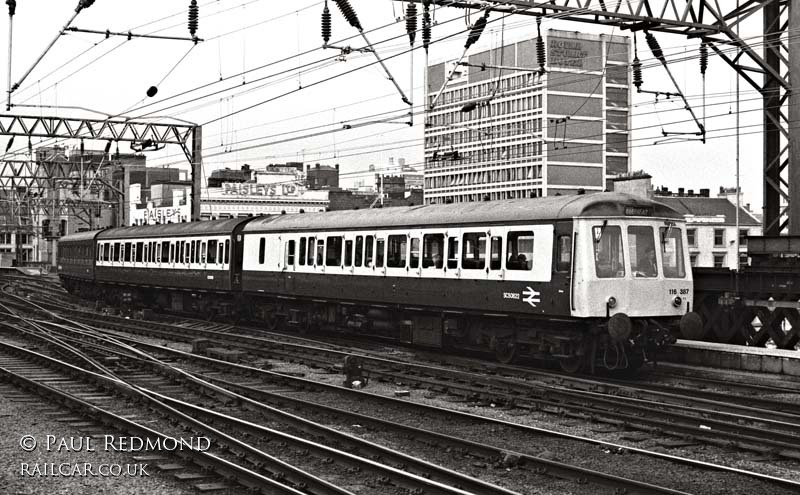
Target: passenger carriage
{"x":561,"y":277}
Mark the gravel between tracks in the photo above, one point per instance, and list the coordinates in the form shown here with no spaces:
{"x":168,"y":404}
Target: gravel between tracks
{"x":29,"y":418}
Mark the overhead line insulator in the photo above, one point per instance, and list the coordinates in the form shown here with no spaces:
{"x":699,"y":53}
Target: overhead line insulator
{"x":637,"y":72}
{"x":83,"y":4}
{"x":193,"y":17}
{"x":703,"y":58}
{"x":652,"y":42}
{"x":326,"y":24}
{"x":348,"y":13}
{"x":541,"y":53}
{"x":477,"y":30}
{"x":411,"y":22}
{"x":12,"y":7}
{"x":426,"y":27}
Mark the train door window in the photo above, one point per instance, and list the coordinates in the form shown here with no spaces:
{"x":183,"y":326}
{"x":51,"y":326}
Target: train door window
{"x":137,"y":252}
{"x":452,"y":252}
{"x":672,"y":252}
{"x":301,"y":255}
{"x":379,"y":252}
{"x":158,"y":252}
{"x":172,"y":252}
{"x":100,"y":253}
{"x":333,"y":255}
{"x":413,"y":260}
{"x":397,"y":247}
{"x":227,"y":251}
{"x":564,"y":255}
{"x":165,"y":251}
{"x":290,"y":253}
{"x":193,"y":252}
{"x":473,"y":256}
{"x":496,"y":253}
{"x":368,"y":250}
{"x":320,"y":252}
{"x":348,"y":253}
{"x":312,"y":242}
{"x":117,"y":251}
{"x":519,"y":245}
{"x":212,"y":251}
{"x":186,"y":252}
{"x":359,"y":250}
{"x":221,"y":253}
{"x":262,"y":248}
{"x":127,"y":250}
{"x":642,"y":250}
{"x":609,"y":261}
{"x":202,"y":252}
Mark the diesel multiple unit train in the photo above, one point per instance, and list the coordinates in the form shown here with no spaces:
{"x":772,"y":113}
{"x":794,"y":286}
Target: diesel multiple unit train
{"x":594,"y":280}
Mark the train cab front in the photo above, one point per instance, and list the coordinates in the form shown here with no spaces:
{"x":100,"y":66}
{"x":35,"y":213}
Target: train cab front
{"x":633,"y":283}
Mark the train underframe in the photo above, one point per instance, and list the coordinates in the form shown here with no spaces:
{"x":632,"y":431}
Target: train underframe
{"x":578,"y":345}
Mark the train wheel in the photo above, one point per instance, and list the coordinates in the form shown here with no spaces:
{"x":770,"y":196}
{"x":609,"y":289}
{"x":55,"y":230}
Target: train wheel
{"x":272,"y":321}
{"x":506,"y":350}
{"x":572,"y":364}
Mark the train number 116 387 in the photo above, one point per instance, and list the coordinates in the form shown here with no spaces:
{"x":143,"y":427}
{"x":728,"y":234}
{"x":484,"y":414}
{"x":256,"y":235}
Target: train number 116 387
{"x":674,"y":292}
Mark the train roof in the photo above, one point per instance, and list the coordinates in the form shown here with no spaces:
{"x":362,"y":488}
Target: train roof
{"x":210,"y":227}
{"x":88,"y":235}
{"x":502,"y":211}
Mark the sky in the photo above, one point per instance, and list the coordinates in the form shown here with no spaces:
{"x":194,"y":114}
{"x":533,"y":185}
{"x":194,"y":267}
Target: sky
{"x":266,"y":92}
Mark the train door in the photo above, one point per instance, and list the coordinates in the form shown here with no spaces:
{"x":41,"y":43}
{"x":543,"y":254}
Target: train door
{"x":234,"y":256}
{"x":563,"y":259}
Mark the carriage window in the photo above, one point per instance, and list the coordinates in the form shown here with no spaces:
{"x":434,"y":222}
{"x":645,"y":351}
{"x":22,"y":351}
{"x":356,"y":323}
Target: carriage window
{"x":290,"y":253}
{"x":379,"y":250}
{"x":333,"y":256}
{"x":320,"y":252}
{"x":165,"y":251}
{"x":432,"y":251}
{"x":100,"y":254}
{"x":107,"y":251}
{"x":414,"y":257}
{"x":672,"y":252}
{"x":348,"y":253}
{"x":369,"y":249}
{"x":202,"y":252}
{"x":227,"y":251}
{"x":359,"y":250}
{"x":519,"y":246}
{"x":301,"y":256}
{"x":496,"y":253}
{"x":127,"y":250}
{"x":452,"y":252}
{"x":608,"y":254}
{"x":186,"y":252}
{"x":117,"y":251}
{"x":312,"y":242}
{"x":642,"y":250}
{"x":172,"y":252}
{"x":564,"y":258}
{"x":396,"y":257}
{"x":193,"y":252}
{"x":262,"y":248}
{"x":474,"y":251}
{"x":212,"y":251}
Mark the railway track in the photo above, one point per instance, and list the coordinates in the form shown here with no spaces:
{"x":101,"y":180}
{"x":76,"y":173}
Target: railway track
{"x":317,"y":355}
{"x":449,"y":442}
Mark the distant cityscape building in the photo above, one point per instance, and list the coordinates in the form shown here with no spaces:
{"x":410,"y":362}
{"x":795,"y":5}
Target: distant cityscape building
{"x":322,"y":177}
{"x":710,"y":222}
{"x":513,"y":132}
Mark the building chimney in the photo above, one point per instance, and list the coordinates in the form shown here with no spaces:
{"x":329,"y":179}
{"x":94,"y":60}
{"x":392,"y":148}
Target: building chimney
{"x":705,"y":192}
{"x":690,"y":192}
{"x":680,"y":191}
